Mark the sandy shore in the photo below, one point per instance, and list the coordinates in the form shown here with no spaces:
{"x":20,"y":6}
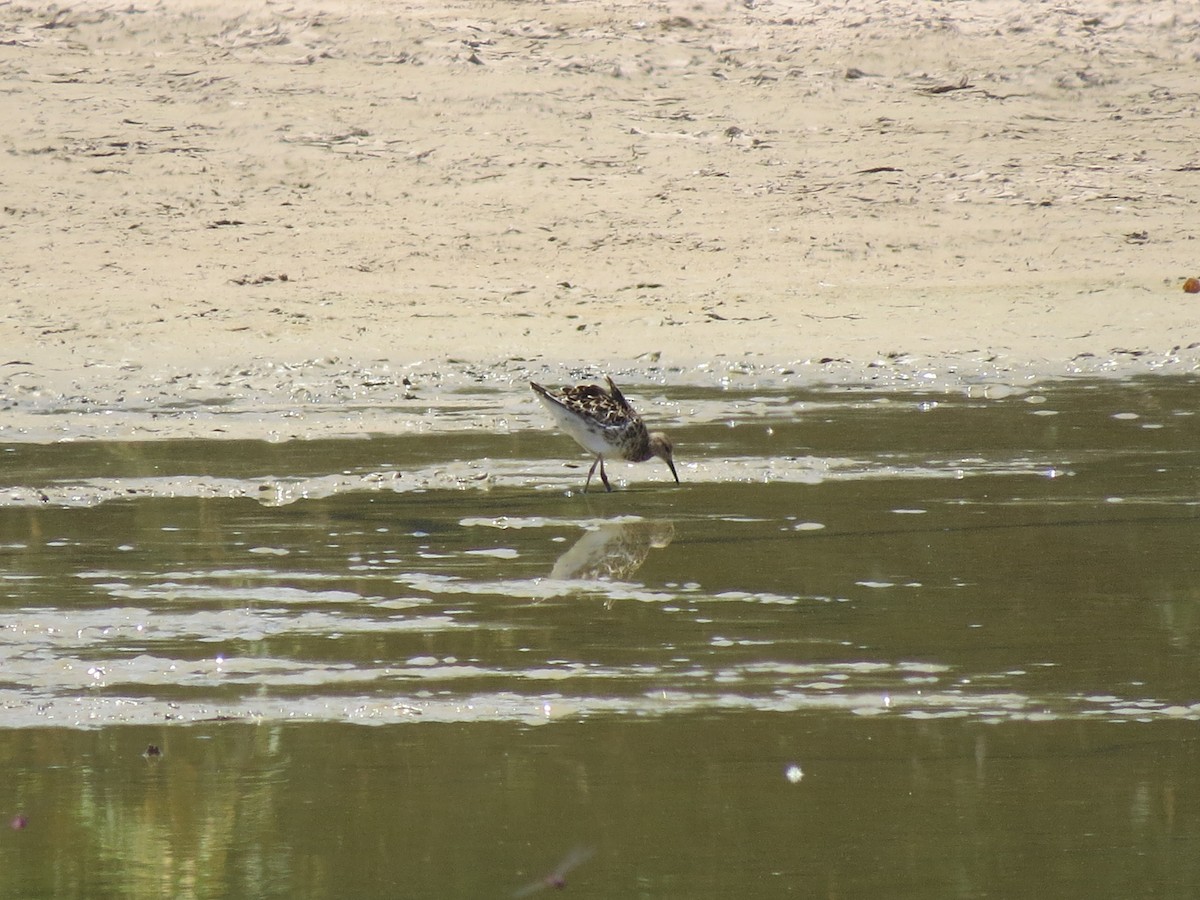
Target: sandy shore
{"x":203,"y":202}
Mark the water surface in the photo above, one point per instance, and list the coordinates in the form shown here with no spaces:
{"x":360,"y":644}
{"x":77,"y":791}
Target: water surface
{"x":877,"y":644}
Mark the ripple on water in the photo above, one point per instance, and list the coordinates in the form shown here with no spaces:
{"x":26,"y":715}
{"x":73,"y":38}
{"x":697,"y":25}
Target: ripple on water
{"x":364,"y":585}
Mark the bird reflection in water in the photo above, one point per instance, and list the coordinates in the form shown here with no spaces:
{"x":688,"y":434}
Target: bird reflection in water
{"x":558,"y":878}
{"x":613,"y":551}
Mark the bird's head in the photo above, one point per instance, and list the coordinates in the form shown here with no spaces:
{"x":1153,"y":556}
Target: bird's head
{"x":661,"y":447}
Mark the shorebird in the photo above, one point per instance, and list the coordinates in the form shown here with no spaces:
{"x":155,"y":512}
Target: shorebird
{"x":602,"y":422}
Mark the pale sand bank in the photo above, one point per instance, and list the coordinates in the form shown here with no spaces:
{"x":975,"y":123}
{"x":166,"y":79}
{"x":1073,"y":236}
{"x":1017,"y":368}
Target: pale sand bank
{"x":310,"y":203}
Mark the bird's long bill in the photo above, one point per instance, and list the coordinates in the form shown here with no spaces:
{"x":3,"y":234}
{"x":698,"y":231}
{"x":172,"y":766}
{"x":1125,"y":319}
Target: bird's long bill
{"x":671,"y":465}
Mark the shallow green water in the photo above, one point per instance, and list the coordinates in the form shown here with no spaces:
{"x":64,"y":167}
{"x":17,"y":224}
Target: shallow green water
{"x":875,"y":645}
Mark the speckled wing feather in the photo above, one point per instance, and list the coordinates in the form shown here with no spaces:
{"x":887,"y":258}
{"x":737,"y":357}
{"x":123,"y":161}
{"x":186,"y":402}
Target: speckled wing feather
{"x":601,"y":421}
{"x":619,"y":398}
{"x":609,"y":408}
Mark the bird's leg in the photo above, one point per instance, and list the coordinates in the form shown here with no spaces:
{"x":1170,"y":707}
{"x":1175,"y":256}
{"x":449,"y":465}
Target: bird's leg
{"x":593,"y":469}
{"x":603,"y":477}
